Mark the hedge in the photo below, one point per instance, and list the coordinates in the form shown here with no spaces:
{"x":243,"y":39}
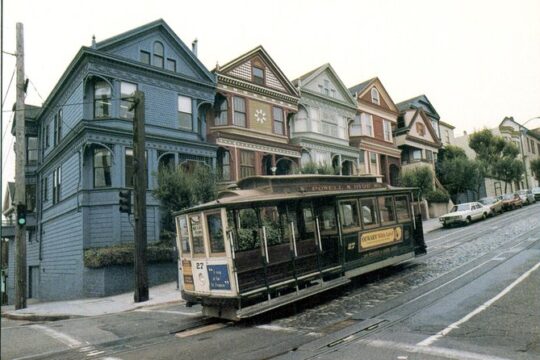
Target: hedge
{"x":122,"y":254}
{"x":437,"y":196}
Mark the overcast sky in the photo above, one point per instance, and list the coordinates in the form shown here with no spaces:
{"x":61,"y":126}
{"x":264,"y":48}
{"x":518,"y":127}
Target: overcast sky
{"x":477,"y":61}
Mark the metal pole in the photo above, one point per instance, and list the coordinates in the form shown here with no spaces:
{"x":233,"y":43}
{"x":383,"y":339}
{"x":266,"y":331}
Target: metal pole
{"x":139,"y":187}
{"x":20,"y":181}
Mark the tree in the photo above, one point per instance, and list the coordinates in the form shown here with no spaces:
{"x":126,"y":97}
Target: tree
{"x":535,"y":168}
{"x":498,"y":156}
{"x":181,"y":188}
{"x":420,"y":177}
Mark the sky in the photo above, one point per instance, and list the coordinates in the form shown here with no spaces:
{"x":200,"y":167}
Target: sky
{"x":476,"y":60}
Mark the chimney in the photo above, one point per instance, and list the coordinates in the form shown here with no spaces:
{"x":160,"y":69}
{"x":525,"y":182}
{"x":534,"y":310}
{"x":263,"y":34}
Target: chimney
{"x":194,"y":46}
{"x":93,"y":41}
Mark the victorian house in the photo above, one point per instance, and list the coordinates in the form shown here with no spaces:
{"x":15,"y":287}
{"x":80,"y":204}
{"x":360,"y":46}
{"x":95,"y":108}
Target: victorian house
{"x":85,"y":139}
{"x":321,"y":126}
{"x":418,"y":132}
{"x":371,"y":131}
{"x":249,"y":122}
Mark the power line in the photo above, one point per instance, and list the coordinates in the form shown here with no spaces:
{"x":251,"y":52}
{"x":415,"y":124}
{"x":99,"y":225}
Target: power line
{"x":37,"y":92}
{"x":7,"y":127}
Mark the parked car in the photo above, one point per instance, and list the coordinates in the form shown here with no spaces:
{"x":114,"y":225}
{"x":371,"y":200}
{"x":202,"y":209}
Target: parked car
{"x":536,"y":193}
{"x":494,"y":204}
{"x":465,"y":214}
{"x":511,"y":201}
{"x":527,"y":197}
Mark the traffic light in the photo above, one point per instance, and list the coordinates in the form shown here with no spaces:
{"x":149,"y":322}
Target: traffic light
{"x":125,"y":201}
{"x":21,"y":214}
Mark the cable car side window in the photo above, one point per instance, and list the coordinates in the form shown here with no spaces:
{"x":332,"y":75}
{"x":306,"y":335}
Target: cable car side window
{"x":402,"y":208}
{"x":183,"y":234}
{"x":328,"y":218}
{"x":197,"y":234}
{"x":215,"y":233}
{"x":349,"y":215}
{"x":271,"y":222}
{"x":386,"y":210}
{"x":248,"y":230}
{"x":368,"y":210}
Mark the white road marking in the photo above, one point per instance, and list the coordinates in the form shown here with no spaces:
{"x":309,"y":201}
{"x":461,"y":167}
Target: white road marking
{"x":434,"y":351}
{"x":95,"y":352}
{"x":198,"y":313}
{"x":63,"y":338}
{"x":430,"y":340}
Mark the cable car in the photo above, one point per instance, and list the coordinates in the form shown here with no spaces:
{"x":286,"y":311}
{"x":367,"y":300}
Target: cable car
{"x":274,"y":240}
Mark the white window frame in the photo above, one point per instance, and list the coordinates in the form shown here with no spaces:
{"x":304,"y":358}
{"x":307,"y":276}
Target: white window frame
{"x":376,"y":172}
{"x":184,"y":100}
{"x":367,"y":125}
{"x":375,"y":96}
{"x":387,"y":130}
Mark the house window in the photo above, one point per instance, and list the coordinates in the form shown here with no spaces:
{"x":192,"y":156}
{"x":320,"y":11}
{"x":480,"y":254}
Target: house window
{"x":102,"y":99}
{"x":45,"y":188}
{"x":387,"y":130}
{"x":58,"y":127}
{"x":127,"y":90}
{"x":47,"y":141}
{"x":375,"y":96}
{"x":222,"y":115}
{"x":247,"y":164}
{"x":300,"y":123}
{"x":57,"y":184}
{"x":429,"y":155}
{"x":258,"y":75}
{"x":373,"y":163}
{"x":158,"y":54}
{"x":224,"y":164}
{"x":367,"y":124}
{"x":32,"y":150}
{"x":171,"y":65}
{"x":145,"y":57}
{"x":362,"y":163}
{"x":417,"y":154}
{"x":315,"y":119}
{"x":184,"y":113}
{"x":102,"y":168}
{"x":420,"y":129}
{"x":326,"y":87}
{"x":356,"y":126}
{"x":239,"y":118}
{"x":278,"y":120}
{"x":30,"y":194}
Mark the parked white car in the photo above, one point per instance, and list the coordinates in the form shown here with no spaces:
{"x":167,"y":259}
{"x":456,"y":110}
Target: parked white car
{"x":465,"y":214}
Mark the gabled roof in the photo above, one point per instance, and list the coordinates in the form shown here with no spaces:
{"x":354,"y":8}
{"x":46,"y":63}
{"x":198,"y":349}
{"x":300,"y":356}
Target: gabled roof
{"x":420,"y":113}
{"x":161,"y":25}
{"x":420,"y":101}
{"x":357,"y":89}
{"x":362,"y":88}
{"x":259,"y":50}
{"x":308,"y":77}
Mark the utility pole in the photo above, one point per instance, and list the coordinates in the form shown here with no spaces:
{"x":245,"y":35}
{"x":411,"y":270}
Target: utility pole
{"x":20,"y":181}
{"x":139,"y":189}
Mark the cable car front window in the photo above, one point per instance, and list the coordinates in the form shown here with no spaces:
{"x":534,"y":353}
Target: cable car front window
{"x":197,"y":235}
{"x":183,"y":234}
{"x":215,"y":233}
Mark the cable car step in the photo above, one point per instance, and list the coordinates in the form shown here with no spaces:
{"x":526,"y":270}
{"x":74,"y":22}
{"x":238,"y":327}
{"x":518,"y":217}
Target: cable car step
{"x":290,"y":298}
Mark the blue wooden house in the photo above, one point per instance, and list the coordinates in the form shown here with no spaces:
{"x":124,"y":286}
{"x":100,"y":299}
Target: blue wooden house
{"x":85,"y":156}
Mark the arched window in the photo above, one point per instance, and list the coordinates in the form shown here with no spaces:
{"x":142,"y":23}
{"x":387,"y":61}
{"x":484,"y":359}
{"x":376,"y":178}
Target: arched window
{"x":224,"y":164}
{"x":375,"y":96}
{"x":102,"y":167}
{"x":159,"y":54}
{"x":102,"y":99}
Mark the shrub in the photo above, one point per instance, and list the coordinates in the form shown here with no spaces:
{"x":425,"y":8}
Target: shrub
{"x":437,"y":196}
{"x":123,"y":255}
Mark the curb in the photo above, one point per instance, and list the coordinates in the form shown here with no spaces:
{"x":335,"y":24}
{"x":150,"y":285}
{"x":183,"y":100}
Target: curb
{"x":38,"y":317}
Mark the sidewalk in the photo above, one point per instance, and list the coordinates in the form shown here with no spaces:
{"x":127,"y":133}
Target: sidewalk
{"x":59,"y":310}
{"x":430,"y":225}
